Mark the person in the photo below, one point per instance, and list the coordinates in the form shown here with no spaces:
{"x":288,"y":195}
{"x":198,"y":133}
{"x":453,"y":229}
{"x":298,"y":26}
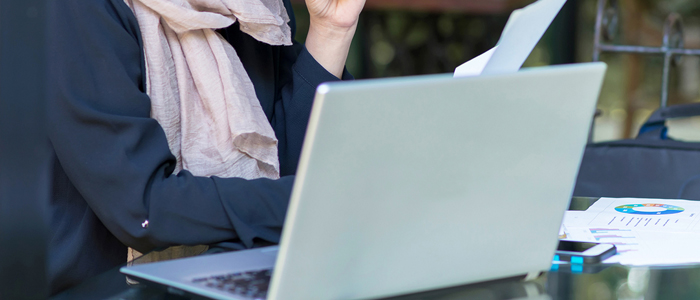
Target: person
{"x":120,"y":179}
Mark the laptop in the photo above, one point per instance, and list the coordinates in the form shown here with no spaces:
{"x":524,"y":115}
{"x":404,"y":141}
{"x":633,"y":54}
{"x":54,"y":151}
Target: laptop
{"x":413,"y":184}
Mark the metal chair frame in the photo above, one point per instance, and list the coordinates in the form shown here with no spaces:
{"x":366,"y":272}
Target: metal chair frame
{"x":606,"y":27}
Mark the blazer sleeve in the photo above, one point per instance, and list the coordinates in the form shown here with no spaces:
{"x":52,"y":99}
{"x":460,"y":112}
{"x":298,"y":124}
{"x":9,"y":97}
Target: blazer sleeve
{"x":285,"y":80}
{"x":299,"y":74}
{"x":292,"y":110}
{"x":117,"y":157}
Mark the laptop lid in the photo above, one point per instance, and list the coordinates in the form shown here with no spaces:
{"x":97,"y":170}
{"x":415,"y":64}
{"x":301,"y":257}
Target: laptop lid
{"x":417,"y":183}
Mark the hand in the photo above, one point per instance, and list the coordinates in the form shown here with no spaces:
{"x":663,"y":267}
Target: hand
{"x":332,"y":26}
{"x":338,"y":14}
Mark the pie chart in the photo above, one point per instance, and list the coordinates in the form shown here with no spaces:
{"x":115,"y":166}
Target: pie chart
{"x":649,"y":209}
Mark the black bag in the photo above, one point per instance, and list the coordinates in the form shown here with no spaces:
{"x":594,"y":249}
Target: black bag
{"x":649,"y":166}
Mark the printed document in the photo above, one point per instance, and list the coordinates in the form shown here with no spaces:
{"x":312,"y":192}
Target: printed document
{"x":522,"y":32}
{"x":645,"y":231}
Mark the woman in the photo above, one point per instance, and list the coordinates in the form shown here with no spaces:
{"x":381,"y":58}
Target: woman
{"x":121,"y":175}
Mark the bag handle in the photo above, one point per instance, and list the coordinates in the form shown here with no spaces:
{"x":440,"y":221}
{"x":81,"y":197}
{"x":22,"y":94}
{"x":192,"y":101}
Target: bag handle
{"x":655,"y":126}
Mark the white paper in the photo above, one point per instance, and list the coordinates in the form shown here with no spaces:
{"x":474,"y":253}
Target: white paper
{"x":475,"y":66}
{"x":511,"y":21}
{"x":646,"y":214}
{"x":645,"y":231}
{"x":576,"y":218}
{"x":643,"y":248}
{"x":521,"y":34}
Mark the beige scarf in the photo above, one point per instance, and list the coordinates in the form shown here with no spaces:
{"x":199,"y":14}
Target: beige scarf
{"x":200,"y":93}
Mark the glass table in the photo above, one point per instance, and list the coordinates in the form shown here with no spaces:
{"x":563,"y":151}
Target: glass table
{"x":594,"y":282}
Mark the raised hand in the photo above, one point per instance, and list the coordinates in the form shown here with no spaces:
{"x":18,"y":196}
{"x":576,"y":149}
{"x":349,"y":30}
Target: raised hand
{"x":336,"y":13}
{"x":332,"y":26}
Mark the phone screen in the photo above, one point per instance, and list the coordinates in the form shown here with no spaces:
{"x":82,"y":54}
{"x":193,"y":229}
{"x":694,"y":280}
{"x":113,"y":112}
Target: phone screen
{"x":575,"y":246}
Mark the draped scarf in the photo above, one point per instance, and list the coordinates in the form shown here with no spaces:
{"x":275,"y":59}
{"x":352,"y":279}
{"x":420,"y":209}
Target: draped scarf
{"x":200,"y":92}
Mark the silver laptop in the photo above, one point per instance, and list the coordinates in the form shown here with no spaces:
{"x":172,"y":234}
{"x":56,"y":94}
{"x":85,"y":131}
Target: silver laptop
{"x":412,"y":184}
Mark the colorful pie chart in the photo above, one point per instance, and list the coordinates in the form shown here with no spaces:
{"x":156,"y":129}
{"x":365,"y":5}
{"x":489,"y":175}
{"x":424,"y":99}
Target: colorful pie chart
{"x":649,"y":209}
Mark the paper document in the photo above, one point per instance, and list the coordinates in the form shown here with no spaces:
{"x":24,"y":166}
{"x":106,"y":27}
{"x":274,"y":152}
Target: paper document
{"x":646,"y":214}
{"x":645,"y":231}
{"x":522,"y":32}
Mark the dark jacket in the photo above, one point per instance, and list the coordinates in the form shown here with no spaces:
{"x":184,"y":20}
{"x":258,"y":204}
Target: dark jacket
{"x":112,"y":166}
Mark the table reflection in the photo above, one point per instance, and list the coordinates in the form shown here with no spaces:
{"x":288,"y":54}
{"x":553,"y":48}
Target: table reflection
{"x":622,"y":282}
{"x":505,"y":289}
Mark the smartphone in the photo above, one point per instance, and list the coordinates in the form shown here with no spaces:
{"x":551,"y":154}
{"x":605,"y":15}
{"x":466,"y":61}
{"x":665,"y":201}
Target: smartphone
{"x":583,"y":252}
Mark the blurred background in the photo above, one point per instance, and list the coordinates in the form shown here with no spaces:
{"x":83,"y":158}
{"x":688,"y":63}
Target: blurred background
{"x":412,"y":37}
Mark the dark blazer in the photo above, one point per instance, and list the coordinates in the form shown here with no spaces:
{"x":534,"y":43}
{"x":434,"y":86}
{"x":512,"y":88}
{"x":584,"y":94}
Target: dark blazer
{"x":112,"y":166}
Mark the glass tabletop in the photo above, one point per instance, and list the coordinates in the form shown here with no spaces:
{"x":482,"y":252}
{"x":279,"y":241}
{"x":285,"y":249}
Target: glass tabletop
{"x":594,"y":282}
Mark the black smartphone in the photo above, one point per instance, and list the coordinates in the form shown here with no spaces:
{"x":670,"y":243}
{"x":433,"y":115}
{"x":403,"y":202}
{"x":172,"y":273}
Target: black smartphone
{"x":583,"y":252}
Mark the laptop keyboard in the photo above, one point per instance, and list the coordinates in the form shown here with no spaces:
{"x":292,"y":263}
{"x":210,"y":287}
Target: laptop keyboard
{"x":252,"y":284}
